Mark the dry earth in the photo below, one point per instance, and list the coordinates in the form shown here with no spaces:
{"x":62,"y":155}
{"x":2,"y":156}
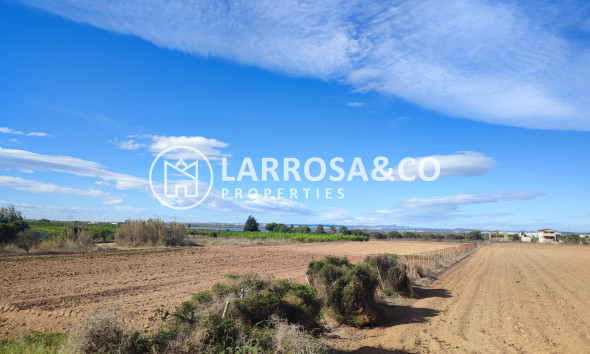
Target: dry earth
{"x":46,"y":293}
{"x":505,"y":298}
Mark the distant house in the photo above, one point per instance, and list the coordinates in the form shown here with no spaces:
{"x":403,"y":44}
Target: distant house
{"x":547,"y":235}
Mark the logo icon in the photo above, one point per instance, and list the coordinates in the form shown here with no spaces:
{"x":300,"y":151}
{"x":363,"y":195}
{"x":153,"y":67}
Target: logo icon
{"x":175,"y":179}
{"x":191,"y":188}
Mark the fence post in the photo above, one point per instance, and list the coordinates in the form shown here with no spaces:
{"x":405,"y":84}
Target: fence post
{"x":225,"y":309}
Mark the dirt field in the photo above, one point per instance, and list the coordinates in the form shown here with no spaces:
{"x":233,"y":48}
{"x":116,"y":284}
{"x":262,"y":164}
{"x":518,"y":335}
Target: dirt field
{"x":47,"y":293}
{"x":502,"y":299}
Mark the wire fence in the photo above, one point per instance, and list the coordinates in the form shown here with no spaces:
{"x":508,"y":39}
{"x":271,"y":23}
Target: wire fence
{"x":428,"y":260}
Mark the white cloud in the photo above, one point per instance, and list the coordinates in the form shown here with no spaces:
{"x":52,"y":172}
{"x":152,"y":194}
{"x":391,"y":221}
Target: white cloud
{"x":129,"y":144}
{"x":155,"y":144}
{"x":462,"y":163}
{"x":112,"y":201}
{"x":488,"y":61}
{"x":355,"y":104}
{"x":209,"y":147}
{"x":34,"y":186}
{"x":18,"y":132}
{"x":26,"y":160}
{"x":423,"y":211}
{"x":453,"y":202}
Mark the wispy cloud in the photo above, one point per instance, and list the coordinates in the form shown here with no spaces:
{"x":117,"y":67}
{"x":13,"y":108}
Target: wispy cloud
{"x":129,"y":144}
{"x":21,"y":159}
{"x":462,"y":163}
{"x":421,"y":211}
{"x":453,"y":202}
{"x":33,"y":186}
{"x":18,"y":132}
{"x":505,"y":63}
{"x":26,"y":160}
{"x":355,"y":104}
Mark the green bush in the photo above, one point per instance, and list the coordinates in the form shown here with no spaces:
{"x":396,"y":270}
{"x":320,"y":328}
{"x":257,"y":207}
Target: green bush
{"x":267,"y":309}
{"x":570,"y":238}
{"x":34,"y":342}
{"x":349,"y":290}
{"x":11,"y":223}
{"x":27,"y":239}
{"x":300,"y":235}
{"x":393,"y":273}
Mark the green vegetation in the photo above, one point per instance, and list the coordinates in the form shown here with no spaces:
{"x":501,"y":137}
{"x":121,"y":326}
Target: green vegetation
{"x":55,"y":230}
{"x":348,"y":290}
{"x":251,"y":225}
{"x":245,"y":314}
{"x":11,"y":223}
{"x":151,"y":232}
{"x":27,"y":238}
{"x":291,"y":236}
{"x":34,"y":343}
{"x":570,"y":238}
{"x":393,"y":274}
{"x":474,"y":235}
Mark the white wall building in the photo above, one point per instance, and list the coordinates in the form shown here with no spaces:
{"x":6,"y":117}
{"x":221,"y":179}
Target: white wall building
{"x":547,"y":235}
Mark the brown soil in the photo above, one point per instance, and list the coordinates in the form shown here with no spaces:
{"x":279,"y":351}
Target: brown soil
{"x":47,"y":292}
{"x":505,"y":298}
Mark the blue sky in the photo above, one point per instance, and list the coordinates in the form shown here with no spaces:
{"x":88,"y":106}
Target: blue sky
{"x":91,"y":91}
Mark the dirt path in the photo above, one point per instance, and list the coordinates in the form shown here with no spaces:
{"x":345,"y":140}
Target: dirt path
{"x":46,"y":294}
{"x":502,"y":299}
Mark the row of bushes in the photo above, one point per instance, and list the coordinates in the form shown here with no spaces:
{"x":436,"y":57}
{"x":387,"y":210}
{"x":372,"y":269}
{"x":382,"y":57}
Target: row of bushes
{"x":263,"y":316}
{"x":249,"y":313}
{"x":381,"y":235}
{"x":292,"y":236}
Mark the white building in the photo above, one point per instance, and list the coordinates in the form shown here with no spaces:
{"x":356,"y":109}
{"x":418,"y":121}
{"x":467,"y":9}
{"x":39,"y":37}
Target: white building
{"x":547,"y":235}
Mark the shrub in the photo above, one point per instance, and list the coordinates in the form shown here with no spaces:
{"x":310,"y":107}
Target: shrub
{"x":571,"y":238}
{"x":11,"y":223}
{"x":393,"y":273}
{"x":349,"y":290}
{"x":270,"y":314}
{"x":106,"y":331}
{"x":151,"y":232}
{"x":27,"y":239}
{"x":474,"y":235}
{"x":534,"y":239}
{"x":421,"y":272}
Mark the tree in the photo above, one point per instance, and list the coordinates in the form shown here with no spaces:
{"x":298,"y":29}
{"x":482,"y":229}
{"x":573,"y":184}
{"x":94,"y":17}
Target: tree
{"x":28,"y":238}
{"x":270,"y":226}
{"x":394,"y":234}
{"x":409,"y":234}
{"x":474,"y":235}
{"x":332,"y":229}
{"x":251,"y":224}
{"x":320,"y":230}
{"x":342,"y":230}
{"x":11,"y":223}
{"x":303,"y":230}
